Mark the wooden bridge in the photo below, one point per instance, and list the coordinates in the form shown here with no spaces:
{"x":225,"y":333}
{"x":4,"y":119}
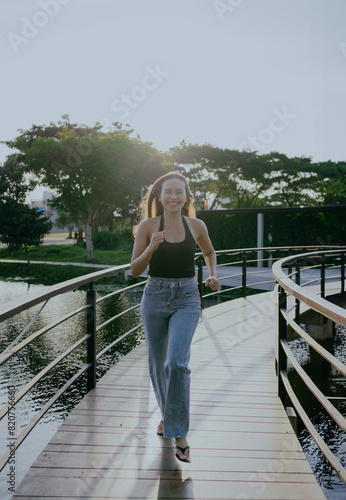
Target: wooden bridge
{"x":242,"y":443}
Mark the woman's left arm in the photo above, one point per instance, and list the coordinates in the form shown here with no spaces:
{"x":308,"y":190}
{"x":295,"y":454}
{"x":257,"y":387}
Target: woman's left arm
{"x":209,"y":255}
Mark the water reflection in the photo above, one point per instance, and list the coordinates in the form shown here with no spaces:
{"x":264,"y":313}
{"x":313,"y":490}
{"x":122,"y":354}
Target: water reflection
{"x":332,"y":384}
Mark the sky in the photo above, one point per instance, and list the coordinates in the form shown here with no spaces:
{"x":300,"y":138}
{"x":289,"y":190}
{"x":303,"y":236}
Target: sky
{"x":265,"y":75}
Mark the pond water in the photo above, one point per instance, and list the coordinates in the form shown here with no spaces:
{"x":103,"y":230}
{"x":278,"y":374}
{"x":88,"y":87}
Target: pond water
{"x":20,"y":369}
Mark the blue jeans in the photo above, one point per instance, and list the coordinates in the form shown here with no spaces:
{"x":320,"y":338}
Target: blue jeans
{"x":170,"y":312}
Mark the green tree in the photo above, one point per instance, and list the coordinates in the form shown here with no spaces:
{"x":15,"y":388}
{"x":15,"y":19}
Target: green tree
{"x":218,"y":174}
{"x":331,"y":182}
{"x":90,"y":170}
{"x":240,"y":179}
{"x":13,"y":185}
{"x":20,"y":225}
{"x":291,"y":181}
{"x":64,"y":220}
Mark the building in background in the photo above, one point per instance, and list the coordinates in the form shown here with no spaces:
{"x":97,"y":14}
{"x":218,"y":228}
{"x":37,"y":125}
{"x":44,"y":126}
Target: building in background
{"x":43,"y":206}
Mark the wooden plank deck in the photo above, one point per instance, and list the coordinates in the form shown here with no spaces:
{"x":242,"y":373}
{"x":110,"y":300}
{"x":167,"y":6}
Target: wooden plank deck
{"x":242,"y":444}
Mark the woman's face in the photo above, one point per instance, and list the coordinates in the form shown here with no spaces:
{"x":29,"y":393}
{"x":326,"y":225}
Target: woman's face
{"x":173,"y":195}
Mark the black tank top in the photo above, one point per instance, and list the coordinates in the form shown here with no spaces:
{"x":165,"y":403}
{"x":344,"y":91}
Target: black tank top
{"x":174,"y":260}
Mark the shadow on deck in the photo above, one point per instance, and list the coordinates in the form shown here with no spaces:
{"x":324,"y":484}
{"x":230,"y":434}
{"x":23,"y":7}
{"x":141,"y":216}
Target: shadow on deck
{"x":243,"y":446}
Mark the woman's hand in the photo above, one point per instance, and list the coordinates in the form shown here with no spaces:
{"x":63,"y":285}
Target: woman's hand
{"x":156,"y":240}
{"x":144,"y":247}
{"x":213,"y":282}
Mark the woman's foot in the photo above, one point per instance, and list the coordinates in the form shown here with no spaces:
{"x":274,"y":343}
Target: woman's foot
{"x":182,"y":450}
{"x":160,"y":429}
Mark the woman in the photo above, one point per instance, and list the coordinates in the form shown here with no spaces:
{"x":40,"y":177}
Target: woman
{"x":166,"y":241}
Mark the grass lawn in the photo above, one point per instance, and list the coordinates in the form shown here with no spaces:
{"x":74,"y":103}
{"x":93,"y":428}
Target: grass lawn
{"x":69,"y":253}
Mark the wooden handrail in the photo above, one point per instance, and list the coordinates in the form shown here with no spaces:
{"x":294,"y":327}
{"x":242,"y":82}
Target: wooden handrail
{"x":318,"y":304}
{"x":328,"y":310}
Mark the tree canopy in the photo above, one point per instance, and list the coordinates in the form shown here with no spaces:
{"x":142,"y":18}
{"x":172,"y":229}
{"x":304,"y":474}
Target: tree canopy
{"x":242,"y":179}
{"x":89,"y":170}
{"x":95,"y":173}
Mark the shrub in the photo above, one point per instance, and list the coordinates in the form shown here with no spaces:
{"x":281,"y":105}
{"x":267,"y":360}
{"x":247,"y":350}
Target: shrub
{"x":105,"y":240}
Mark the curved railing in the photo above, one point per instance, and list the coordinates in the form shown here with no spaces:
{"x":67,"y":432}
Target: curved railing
{"x":255,"y":259}
{"x":242,"y":259}
{"x":316,"y":275}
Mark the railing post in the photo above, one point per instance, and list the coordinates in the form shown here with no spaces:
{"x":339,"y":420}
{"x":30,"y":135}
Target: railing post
{"x":200,"y":276}
{"x":260,"y":230}
{"x":297,"y":317}
{"x":244,"y":275}
{"x":323,"y":276}
{"x":282,"y":335}
{"x":342,"y":272}
{"x":91,"y":342}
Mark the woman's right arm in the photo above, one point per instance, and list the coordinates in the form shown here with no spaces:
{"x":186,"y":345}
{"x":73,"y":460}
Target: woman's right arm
{"x":144,"y":247}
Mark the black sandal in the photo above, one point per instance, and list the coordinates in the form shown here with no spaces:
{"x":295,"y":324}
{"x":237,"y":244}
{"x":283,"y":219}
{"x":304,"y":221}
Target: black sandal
{"x":183,"y":450}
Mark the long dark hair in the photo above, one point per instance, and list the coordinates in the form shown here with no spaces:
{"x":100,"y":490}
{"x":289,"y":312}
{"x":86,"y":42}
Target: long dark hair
{"x":152,"y":206}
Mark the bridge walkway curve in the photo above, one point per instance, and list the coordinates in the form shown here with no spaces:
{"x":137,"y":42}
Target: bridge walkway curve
{"x":242,"y":443}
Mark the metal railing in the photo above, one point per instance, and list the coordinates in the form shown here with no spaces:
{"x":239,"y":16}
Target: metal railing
{"x":239,"y":257}
{"x":309,"y":290}
{"x":18,"y":306}
{"x":244,"y":258}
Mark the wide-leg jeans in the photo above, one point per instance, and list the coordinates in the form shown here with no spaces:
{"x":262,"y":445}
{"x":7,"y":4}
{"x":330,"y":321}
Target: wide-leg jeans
{"x":170,"y":312}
